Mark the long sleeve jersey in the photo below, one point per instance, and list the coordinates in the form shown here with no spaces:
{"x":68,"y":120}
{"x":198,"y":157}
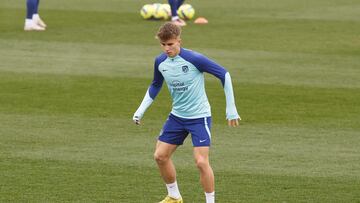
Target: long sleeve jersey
{"x":184,"y":76}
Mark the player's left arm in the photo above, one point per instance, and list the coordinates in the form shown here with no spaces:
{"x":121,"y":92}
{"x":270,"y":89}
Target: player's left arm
{"x":150,"y":94}
{"x":220,"y":72}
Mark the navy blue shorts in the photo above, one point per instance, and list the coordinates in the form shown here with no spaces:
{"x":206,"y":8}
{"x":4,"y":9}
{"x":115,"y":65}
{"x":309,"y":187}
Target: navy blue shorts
{"x":176,"y":129}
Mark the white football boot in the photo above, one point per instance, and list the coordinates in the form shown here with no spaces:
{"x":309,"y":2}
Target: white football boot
{"x":177,"y":21}
{"x":30,"y":25}
{"x":37,"y":20}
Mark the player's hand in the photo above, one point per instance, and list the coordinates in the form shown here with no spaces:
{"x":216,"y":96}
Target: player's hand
{"x":233,"y":122}
{"x":136,"y":120}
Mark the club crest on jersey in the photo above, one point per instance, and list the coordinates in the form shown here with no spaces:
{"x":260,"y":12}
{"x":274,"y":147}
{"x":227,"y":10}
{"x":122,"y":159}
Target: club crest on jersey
{"x":185,"y":69}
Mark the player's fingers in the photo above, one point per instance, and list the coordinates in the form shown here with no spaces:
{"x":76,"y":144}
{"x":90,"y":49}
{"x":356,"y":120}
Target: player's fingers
{"x":137,"y":122}
{"x":233,"y":123}
{"x":236,"y":122}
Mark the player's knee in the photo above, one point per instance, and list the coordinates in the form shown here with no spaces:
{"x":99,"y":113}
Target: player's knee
{"x":202,"y":163}
{"x":160,"y":158}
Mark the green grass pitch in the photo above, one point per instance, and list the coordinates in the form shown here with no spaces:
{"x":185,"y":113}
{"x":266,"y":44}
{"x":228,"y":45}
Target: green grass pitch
{"x":67,"y":97}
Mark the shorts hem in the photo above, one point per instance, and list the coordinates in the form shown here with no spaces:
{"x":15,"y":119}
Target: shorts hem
{"x":202,"y":145}
{"x":168,"y":142}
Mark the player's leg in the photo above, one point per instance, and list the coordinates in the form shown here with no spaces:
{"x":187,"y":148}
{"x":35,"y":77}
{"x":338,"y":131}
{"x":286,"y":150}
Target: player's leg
{"x":29,"y":22}
{"x":174,"y":5}
{"x":162,"y":157}
{"x":179,"y":3}
{"x":201,"y":138}
{"x":167,"y":170}
{"x":30,"y":8}
{"x":36,"y":16}
{"x":171,"y":136}
{"x":37,"y":6}
{"x":207,"y":180}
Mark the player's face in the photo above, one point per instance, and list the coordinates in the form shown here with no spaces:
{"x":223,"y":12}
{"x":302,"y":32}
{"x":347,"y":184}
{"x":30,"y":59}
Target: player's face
{"x":171,"y":47}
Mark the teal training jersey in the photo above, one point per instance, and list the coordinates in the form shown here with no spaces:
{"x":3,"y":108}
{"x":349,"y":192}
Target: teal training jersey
{"x":184,"y":76}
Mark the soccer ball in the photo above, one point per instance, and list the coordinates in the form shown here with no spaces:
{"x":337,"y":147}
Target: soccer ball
{"x":162,"y":11}
{"x":186,"y":12}
{"x":147,"y":11}
{"x":167,"y":9}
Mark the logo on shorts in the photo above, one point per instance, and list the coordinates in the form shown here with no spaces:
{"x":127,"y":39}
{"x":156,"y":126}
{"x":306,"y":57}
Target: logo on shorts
{"x":185,"y":69}
{"x":202,"y":140}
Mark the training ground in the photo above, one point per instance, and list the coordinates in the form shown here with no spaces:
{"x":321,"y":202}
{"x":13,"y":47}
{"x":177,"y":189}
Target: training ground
{"x":67,"y":97}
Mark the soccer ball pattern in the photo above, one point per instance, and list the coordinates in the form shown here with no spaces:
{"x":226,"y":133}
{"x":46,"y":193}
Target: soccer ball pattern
{"x":186,"y":12}
{"x":147,"y":11}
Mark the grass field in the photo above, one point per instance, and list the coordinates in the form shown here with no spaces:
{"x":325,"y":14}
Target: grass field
{"x":67,"y":97}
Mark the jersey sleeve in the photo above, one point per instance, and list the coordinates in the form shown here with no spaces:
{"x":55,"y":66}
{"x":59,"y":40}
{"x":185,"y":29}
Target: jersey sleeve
{"x":204,"y":64}
{"x":157,"y":82}
{"x":231,"y":111}
{"x":151,"y":93}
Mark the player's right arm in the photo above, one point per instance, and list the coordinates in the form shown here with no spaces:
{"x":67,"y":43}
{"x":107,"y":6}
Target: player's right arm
{"x":150,"y":94}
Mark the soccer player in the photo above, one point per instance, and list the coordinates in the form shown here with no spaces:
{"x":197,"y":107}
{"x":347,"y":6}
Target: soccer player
{"x":183,"y":71}
{"x":175,"y":5}
{"x":33,"y":21}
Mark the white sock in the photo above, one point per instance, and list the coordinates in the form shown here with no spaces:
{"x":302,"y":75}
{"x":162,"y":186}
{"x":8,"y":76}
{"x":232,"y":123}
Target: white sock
{"x":36,"y":16}
{"x":210,"y":197}
{"x":173,"y":190}
{"x":28,"y":22}
{"x":175,"y":18}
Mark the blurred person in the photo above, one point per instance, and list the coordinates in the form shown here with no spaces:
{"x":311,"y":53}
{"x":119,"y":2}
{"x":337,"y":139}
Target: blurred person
{"x":175,"y":5}
{"x":33,"y":21}
{"x":183,"y":71}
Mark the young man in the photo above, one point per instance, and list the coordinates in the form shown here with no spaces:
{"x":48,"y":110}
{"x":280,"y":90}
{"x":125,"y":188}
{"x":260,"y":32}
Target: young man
{"x":183,"y":71}
{"x":175,"y":5}
{"x":33,"y":21}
